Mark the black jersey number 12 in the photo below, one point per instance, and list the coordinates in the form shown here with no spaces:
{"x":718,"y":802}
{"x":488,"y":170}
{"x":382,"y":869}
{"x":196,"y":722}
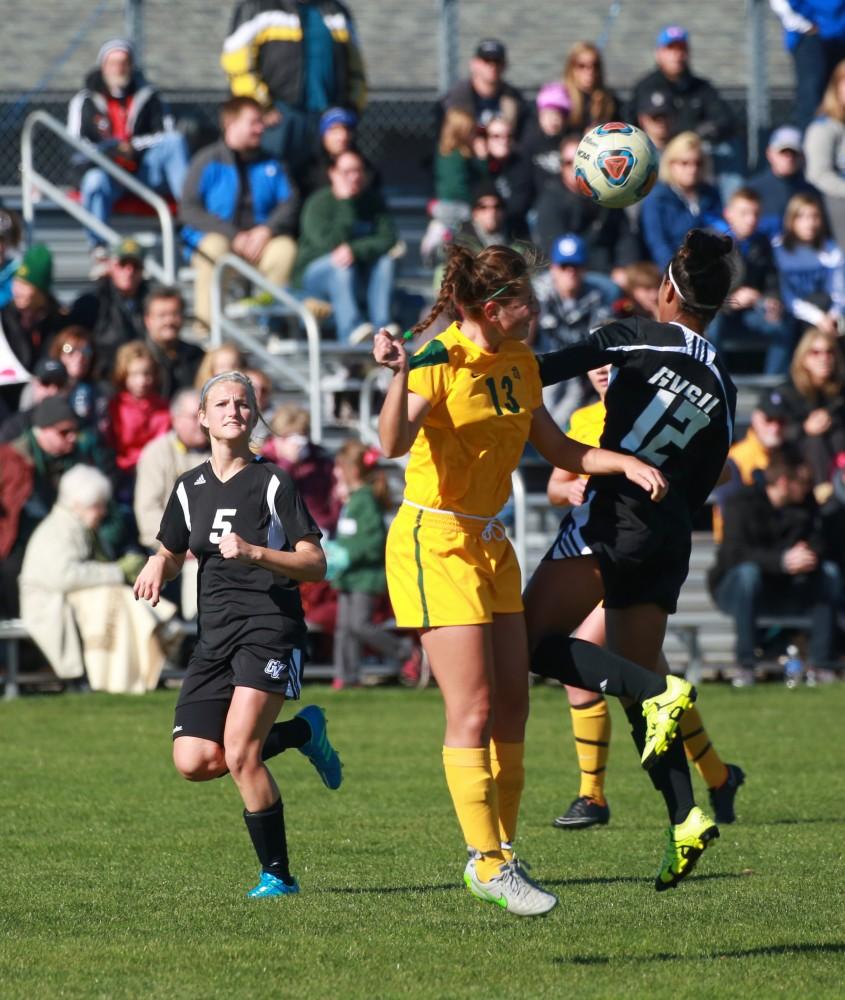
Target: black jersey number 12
{"x":511,"y":405}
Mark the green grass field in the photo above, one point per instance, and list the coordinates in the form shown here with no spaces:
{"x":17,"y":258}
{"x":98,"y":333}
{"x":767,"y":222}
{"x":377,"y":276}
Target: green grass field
{"x":121,"y":880}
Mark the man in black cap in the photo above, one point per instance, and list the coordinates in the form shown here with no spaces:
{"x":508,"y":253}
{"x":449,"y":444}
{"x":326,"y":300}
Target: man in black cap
{"x":655,"y":118}
{"x":486,"y":94}
{"x":114,"y":310}
{"x":48,"y":379}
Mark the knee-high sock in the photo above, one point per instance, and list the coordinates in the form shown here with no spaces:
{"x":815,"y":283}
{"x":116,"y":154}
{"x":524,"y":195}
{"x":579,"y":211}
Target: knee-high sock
{"x":585,"y":665}
{"x":591,"y":729}
{"x":267,"y":832}
{"x":670,"y":775}
{"x":473,"y":792}
{"x":283,"y":736}
{"x":700,"y":751}
{"x":508,"y":770}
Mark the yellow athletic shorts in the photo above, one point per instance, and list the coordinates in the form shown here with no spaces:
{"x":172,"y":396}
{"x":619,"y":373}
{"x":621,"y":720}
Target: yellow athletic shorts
{"x":440,"y":571}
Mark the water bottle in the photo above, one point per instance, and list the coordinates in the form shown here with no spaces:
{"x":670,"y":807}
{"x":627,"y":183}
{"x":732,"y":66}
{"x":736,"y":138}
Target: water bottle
{"x":792,"y":668}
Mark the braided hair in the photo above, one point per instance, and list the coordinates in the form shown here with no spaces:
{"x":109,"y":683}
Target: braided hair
{"x":701,"y":273}
{"x":471,"y":279}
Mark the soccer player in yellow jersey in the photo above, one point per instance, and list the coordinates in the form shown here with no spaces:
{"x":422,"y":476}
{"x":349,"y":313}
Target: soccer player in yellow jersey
{"x":591,"y":725}
{"x":464,"y":407}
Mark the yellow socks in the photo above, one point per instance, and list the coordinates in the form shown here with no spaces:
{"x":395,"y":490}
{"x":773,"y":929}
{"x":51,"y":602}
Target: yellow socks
{"x":700,"y":750}
{"x":509,"y":775}
{"x":591,"y":728}
{"x":473,"y":792}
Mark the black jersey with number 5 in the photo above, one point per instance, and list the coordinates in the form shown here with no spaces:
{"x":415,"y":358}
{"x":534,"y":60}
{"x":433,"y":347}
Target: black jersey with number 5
{"x":670,"y":401}
{"x":240,"y":603}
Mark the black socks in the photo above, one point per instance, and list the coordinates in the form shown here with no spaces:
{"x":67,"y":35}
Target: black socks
{"x":670,"y":774}
{"x":267,"y":832}
{"x":286,"y":735}
{"x":585,"y":665}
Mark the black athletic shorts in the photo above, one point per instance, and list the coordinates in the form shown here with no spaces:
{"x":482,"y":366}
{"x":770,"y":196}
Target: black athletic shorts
{"x":643,"y":552}
{"x":208,"y":686}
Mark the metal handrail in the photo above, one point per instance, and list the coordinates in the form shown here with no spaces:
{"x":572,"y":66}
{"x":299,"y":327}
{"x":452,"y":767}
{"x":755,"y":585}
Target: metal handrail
{"x":31,"y":180}
{"x":520,"y":507}
{"x":366,"y":431}
{"x":220,"y":323}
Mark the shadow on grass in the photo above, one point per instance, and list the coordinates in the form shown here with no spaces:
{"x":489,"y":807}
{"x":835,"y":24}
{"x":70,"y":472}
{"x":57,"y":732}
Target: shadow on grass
{"x":349,"y":890}
{"x":798,"y":821}
{"x":764,"y":951}
{"x":632,"y":879}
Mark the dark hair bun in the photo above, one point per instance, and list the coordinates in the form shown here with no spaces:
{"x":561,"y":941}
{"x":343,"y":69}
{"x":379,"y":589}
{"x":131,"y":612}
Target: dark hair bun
{"x":702,"y":247}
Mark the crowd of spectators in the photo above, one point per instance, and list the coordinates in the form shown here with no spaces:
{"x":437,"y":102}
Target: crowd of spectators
{"x":110,"y":380}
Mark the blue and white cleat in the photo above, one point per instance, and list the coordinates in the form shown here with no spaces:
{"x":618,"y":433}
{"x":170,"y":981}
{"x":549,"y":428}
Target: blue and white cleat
{"x":318,"y":749}
{"x":271,"y":885}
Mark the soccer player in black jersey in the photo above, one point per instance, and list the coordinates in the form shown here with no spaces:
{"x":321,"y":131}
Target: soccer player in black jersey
{"x":670,"y":402}
{"x":247,"y":525}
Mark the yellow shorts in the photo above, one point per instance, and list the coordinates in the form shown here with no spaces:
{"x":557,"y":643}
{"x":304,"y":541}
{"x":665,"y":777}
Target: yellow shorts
{"x":440,"y":571}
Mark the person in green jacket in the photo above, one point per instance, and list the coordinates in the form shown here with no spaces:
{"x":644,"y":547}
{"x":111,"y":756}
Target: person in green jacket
{"x":346,"y":233}
{"x":358,"y":552}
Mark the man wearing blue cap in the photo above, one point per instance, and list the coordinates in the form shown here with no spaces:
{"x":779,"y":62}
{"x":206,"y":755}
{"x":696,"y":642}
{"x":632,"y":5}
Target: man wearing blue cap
{"x":572,"y":301}
{"x":696,"y":105}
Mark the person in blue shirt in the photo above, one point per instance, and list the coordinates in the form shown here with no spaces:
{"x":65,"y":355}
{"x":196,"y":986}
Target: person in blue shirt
{"x":754,"y":311}
{"x":680,"y":200}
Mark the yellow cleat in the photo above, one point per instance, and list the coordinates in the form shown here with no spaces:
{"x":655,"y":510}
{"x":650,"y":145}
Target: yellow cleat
{"x":687,"y":842}
{"x":662,"y":714}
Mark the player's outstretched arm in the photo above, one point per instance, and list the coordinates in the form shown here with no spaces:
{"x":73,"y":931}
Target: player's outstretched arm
{"x":161,"y":567}
{"x":402,"y":412}
{"x":565,"y":453}
{"x":307,"y":562}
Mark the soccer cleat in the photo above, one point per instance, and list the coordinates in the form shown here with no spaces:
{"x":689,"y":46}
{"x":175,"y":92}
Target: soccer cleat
{"x":511,"y":889}
{"x":685,"y":845}
{"x":583,"y":812}
{"x":662,"y":714}
{"x":271,"y":885}
{"x":722,"y":798}
{"x":318,"y":749}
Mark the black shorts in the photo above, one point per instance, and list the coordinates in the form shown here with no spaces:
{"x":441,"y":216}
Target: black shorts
{"x":208,"y":686}
{"x":643,"y":553}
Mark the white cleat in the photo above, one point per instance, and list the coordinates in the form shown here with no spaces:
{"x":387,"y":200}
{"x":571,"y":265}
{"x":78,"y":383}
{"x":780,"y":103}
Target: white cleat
{"x":511,"y":889}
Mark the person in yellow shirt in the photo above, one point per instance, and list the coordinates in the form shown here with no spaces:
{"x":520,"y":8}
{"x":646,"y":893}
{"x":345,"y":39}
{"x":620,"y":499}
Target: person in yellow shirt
{"x":591,"y":725}
{"x":464,"y":407}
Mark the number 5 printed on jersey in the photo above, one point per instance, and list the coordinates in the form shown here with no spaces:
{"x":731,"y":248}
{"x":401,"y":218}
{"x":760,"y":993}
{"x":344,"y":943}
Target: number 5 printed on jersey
{"x":657,"y":428}
{"x":222,"y":525}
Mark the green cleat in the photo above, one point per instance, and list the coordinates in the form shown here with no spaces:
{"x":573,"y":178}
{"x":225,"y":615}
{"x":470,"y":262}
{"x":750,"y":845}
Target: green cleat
{"x":686,"y":844}
{"x":662,"y":714}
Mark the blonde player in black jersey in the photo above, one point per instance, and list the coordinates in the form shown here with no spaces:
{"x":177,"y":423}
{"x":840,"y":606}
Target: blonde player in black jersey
{"x":670,"y":402}
{"x":247,"y":525}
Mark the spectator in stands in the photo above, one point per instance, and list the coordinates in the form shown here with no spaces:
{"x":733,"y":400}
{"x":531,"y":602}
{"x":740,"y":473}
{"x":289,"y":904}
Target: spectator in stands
{"x":814,"y":402}
{"x":814,"y":34}
{"x":10,"y":237}
{"x":680,"y":200}
{"x":781,"y":178}
{"x":16,"y":476}
{"x":654,"y":116}
{"x":696,"y":104}
{"x":78,"y":608}
{"x":73,"y":348}
{"x":178,"y":361}
{"x":583,"y":76}
{"x":488,"y":222}
{"x":824,"y":147}
{"x":127,"y":120}
{"x":572,"y":302}
{"x":641,"y":282}
{"x":163,"y":460}
{"x":238,"y":199}
{"x":810,"y":265}
{"x":544,"y":133}
{"x":561,"y":209}
{"x":48,"y":379}
{"x":346,"y":234}
{"x":297,"y":59}
{"x":114,"y":310}
{"x":511,"y":173}
{"x":309,"y":465}
{"x":28,"y":322}
{"x":136,"y":413}
{"x":754,"y":311}
{"x":772,"y":560}
{"x":225,"y":358}
{"x":486,"y":94}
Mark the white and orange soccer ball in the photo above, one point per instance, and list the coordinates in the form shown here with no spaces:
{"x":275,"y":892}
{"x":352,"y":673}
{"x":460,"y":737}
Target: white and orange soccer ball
{"x":616,"y":164}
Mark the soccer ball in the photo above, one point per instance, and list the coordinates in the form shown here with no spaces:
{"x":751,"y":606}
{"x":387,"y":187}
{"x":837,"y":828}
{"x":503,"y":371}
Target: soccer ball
{"x":615,"y":165}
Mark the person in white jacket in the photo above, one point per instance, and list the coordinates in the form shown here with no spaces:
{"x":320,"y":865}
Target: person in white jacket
{"x":79,"y":611}
{"x":824,"y":151}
